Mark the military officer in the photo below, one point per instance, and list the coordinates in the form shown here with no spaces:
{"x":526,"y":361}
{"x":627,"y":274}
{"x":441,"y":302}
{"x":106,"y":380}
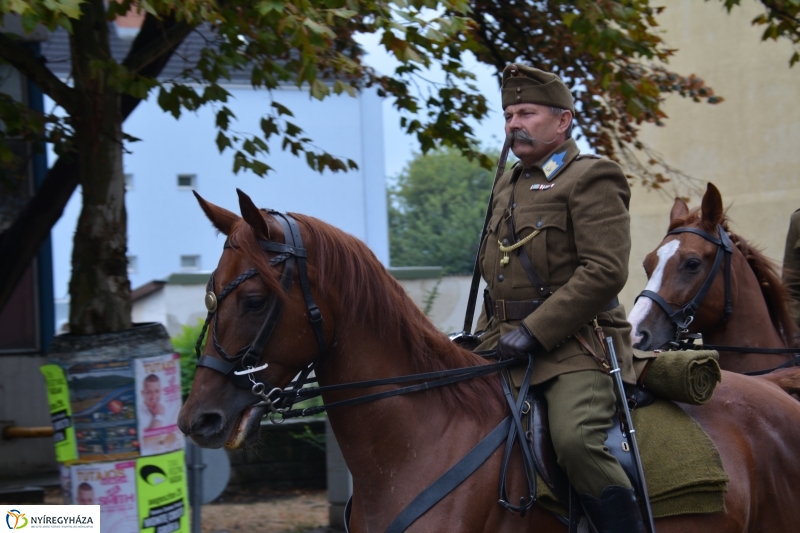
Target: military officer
{"x":554,"y":256}
{"x":791,"y":267}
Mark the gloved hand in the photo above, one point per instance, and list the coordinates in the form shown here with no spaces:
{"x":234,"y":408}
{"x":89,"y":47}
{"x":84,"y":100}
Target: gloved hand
{"x":517,"y":344}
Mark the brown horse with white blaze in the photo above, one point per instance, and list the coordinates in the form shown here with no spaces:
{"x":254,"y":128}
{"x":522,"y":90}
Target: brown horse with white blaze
{"x":758,"y":316}
{"x":396,"y":447}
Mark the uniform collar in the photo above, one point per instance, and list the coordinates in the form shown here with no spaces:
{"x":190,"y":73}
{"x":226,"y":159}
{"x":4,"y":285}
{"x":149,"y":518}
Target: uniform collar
{"x":557,"y":160}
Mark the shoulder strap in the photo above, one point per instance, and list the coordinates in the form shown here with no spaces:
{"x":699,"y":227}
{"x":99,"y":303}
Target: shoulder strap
{"x":476,"y":270}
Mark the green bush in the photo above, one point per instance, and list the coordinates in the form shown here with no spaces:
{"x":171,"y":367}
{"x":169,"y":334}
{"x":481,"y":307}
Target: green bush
{"x":184,"y":343}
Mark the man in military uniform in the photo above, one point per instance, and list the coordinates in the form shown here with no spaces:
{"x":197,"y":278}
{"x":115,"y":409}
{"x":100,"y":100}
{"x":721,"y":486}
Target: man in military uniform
{"x":554,"y":256}
{"x":791,"y":267}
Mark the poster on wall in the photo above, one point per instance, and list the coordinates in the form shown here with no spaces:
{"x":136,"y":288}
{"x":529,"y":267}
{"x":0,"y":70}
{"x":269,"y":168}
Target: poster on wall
{"x":112,"y":486}
{"x":103,"y":404}
{"x":60,"y":413}
{"x":163,"y":497}
{"x":158,"y":386}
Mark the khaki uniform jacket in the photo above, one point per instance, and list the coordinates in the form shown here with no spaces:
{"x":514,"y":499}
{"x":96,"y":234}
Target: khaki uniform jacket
{"x":581,"y":253}
{"x":791,"y":266}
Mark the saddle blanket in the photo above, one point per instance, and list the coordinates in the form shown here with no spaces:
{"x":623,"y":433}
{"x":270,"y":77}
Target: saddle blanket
{"x":681,"y":464}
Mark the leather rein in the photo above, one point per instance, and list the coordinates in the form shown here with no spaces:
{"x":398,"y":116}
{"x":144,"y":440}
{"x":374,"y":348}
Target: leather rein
{"x":240,"y":367}
{"x":684,"y":316}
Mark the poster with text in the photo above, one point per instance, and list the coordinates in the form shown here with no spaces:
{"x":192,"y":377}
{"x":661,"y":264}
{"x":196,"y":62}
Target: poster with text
{"x":163,"y":496}
{"x":158,"y":392}
{"x":104,"y":410}
{"x":60,"y":413}
{"x":112,"y":486}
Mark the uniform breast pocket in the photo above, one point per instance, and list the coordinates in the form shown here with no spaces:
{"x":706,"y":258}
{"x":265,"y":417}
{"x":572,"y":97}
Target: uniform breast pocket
{"x":550,"y":220}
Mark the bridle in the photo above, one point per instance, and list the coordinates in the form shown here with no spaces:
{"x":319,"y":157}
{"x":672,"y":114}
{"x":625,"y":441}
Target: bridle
{"x":684,"y":316}
{"x":240,"y":367}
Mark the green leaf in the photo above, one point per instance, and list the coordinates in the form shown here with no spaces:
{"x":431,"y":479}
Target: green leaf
{"x":223,"y":142}
{"x":319,"y":90}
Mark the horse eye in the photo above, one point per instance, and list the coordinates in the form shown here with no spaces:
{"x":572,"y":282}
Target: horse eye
{"x":254,"y":304}
{"x":692,"y":265}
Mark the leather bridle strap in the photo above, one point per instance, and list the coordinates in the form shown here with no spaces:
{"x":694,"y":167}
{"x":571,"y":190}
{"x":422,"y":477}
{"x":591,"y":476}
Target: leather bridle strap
{"x":685,"y":315}
{"x":291,"y":253}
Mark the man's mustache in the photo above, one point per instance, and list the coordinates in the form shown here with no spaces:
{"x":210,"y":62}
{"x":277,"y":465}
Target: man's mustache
{"x":521,"y":136}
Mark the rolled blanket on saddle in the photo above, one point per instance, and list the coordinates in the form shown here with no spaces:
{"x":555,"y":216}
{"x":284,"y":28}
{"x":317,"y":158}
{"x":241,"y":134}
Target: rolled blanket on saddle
{"x":688,"y":376}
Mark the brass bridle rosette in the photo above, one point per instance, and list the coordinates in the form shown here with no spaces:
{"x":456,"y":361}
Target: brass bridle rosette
{"x":211,"y":302}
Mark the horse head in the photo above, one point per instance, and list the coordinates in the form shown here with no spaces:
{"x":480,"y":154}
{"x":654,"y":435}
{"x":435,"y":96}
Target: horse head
{"x":682,"y":273}
{"x":251,"y":294}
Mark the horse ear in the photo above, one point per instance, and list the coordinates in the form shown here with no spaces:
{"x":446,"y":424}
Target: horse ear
{"x":221,"y":218}
{"x":712,"y":208}
{"x":679,"y":211}
{"x":252,"y":215}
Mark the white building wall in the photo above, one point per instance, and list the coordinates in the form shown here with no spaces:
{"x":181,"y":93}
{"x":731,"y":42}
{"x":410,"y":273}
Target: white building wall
{"x":165,"y":222}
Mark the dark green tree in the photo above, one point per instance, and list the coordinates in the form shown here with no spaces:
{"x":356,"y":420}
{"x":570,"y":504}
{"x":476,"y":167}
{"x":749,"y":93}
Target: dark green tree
{"x":436,"y":209}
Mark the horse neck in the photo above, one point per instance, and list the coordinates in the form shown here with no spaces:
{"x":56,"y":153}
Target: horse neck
{"x":749,"y":324}
{"x":387,"y":443}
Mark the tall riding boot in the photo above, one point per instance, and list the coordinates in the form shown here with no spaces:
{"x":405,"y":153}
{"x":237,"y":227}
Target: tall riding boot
{"x":616,"y":511}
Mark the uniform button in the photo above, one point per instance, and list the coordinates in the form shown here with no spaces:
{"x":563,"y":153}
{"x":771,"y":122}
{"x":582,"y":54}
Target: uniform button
{"x":519,"y":89}
{"x":501,"y":277}
{"x":513,"y":206}
{"x":527,"y":174}
{"x":505,"y":242}
{"x":539,"y":224}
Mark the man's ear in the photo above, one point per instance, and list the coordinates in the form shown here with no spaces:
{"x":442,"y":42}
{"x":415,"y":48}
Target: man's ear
{"x":221,"y":218}
{"x":564,"y":121}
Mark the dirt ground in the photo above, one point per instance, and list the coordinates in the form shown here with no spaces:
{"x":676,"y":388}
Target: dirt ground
{"x":254,"y":510}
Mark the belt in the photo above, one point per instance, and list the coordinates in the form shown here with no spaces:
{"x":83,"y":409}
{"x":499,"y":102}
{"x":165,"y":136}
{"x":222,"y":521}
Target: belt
{"x":505,"y":310}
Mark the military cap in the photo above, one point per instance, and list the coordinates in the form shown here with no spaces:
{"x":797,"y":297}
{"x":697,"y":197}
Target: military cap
{"x":528,"y":85}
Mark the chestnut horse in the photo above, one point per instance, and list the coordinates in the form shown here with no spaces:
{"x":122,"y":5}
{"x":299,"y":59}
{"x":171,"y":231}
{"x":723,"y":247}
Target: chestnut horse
{"x":396,"y":447}
{"x":758,"y":315}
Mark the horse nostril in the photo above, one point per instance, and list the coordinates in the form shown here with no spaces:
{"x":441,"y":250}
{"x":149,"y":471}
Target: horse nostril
{"x":207,"y":424}
{"x":644,"y":343}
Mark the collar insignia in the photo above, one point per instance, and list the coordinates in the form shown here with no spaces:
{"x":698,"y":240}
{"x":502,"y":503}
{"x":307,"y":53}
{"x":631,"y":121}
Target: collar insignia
{"x":553,"y":165}
{"x":542,"y":186}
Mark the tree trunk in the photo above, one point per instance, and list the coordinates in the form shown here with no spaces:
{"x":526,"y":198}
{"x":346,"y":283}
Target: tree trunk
{"x":99,"y":287}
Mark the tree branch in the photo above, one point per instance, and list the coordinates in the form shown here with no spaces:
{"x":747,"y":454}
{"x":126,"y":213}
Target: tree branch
{"x":24,"y":60}
{"x":159,"y":38}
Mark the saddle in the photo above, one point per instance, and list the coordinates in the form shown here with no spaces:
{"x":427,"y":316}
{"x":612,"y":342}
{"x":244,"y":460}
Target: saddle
{"x":541,"y":445}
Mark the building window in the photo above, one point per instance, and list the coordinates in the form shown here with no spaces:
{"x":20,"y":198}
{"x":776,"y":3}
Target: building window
{"x":187,"y":181}
{"x":190,"y":262}
{"x":132,"y":266}
{"x":128,"y":182}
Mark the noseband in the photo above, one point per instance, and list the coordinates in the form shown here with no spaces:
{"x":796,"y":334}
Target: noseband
{"x":684,"y":316}
{"x":240,"y":367}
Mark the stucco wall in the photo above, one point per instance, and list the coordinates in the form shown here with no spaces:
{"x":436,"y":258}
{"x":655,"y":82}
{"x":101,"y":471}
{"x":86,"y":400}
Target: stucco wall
{"x":747,"y":145}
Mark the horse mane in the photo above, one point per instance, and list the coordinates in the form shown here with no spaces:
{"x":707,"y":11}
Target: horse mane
{"x":343,"y":266}
{"x":765,"y":269}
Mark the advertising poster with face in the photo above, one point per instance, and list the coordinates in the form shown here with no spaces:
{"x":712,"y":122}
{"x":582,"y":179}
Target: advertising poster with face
{"x":163,"y":495}
{"x":158,"y":389}
{"x":102,"y":399}
{"x":112,"y":486}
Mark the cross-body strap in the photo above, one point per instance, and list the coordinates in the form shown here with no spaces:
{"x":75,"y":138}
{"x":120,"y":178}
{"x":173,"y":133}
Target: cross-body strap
{"x":527,"y":265}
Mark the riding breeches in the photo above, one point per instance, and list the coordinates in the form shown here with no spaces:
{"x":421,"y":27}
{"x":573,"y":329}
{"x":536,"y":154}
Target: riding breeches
{"x":580,"y":406}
